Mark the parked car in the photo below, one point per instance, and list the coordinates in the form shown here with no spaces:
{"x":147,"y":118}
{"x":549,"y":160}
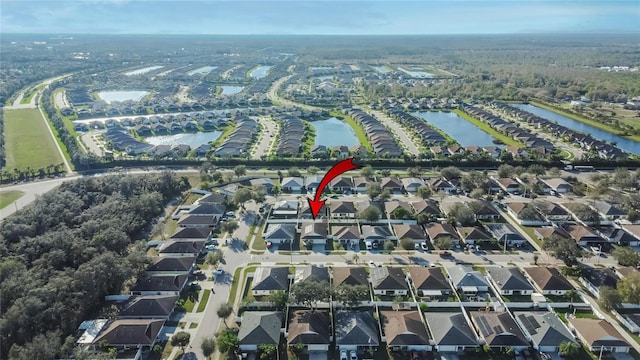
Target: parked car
{"x":343,"y":355}
{"x":353,"y":356}
{"x":219,"y":270}
{"x":445,"y":254}
{"x":423,"y":245}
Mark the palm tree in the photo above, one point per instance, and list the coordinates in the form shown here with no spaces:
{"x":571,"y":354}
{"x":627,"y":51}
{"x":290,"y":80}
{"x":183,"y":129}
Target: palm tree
{"x":355,"y":258}
{"x":569,"y":349}
{"x":572,"y":295}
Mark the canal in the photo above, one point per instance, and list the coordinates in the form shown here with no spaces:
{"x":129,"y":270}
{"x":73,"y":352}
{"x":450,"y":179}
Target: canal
{"x":464,"y":132}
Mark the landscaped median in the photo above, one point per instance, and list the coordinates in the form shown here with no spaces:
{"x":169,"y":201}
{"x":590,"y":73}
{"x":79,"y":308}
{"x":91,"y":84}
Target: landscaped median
{"x":362,"y":137}
{"x":486,"y":128}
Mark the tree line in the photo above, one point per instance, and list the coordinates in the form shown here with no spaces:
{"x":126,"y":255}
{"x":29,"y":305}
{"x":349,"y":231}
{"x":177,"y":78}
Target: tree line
{"x":62,"y":254}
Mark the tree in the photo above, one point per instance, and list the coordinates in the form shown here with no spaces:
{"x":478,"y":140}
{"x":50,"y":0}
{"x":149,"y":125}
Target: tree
{"x":367,"y":171}
{"x":626,"y":256}
{"x":536,"y":169}
{"x":609,"y":298}
{"x":215,"y":257}
{"x":585,"y":213}
{"x":227,"y":340}
{"x":572,"y":295}
{"x":241,"y":196}
{"x":240,"y":170}
{"x":258,"y":193}
{"x":385,"y":172}
{"x":401,"y":213}
{"x":629,"y":288}
{"x":450,"y":172}
{"x":312,"y":170}
{"x":224,"y":311}
{"x":385,"y":195}
{"x":229,"y":227}
{"x":351,"y":296}
{"x":293,"y":171}
{"x":414,"y":171}
{"x":563,"y":248}
{"x":388,"y":245}
{"x":569,"y":349}
{"x":309,"y":293}
{"x":208,"y":347}
{"x":476,"y":193}
{"x":555,"y":172}
{"x":181,"y":339}
{"x":267,"y":351}
{"x":372,"y":213}
{"x":505,"y":171}
{"x":443,"y":243}
{"x":355,"y":258}
{"x":460,"y":213}
{"x":373,"y":190}
{"x":407,"y":244}
{"x":279,"y":300}
{"x":424,"y":192}
{"x":535,"y":259}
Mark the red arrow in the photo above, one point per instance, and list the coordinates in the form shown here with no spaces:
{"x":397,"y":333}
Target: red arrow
{"x":337,"y":169}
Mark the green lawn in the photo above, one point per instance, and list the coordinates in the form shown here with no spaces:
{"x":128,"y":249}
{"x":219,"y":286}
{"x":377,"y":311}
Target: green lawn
{"x":28,"y":142}
{"x":8,"y":197}
{"x":226,"y":131}
{"x":203,"y":303}
{"x":486,"y":128}
{"x":28,"y":95}
{"x":362,"y":137}
{"x":584,"y":120}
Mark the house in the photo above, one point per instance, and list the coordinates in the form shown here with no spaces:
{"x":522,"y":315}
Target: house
{"x":375,"y":234}
{"x":360,"y":184}
{"x":439,"y":231}
{"x":215,"y":210}
{"x":558,"y":185}
{"x":548,"y":280}
{"x":594,"y":278}
{"x":548,"y":232}
{"x":411,"y":184}
{"x":199,"y":221}
{"x":409,"y":231}
{"x":185,"y":247}
{"x":499,"y":330}
{"x":342,"y":209}
{"x":388,"y":281}
{"x":633,"y":230}
{"x":312,"y":329}
{"x":442,"y":185}
{"x":213,"y":198}
{"x":267,"y":280}
{"x":467,"y":280}
{"x":429,"y":282}
{"x":355,"y":330}
{"x":266,"y":182}
{"x":314,"y":233}
{"x":229,"y":190}
{"x":311,"y":273}
{"x":473,"y":234}
{"x":525,"y":214}
{"x":172,"y":265}
{"x":544,"y":330}
{"x":508,"y":185}
{"x":428,"y":206}
{"x":341,"y":184}
{"x":292,"y":184}
{"x":583,"y":235}
{"x":149,"y":307}
{"x":509,"y":281}
{"x":404,"y":330}
{"x":312,"y":182}
{"x":159,"y":285}
{"x":285,"y":209}
{"x":552,"y":211}
{"x":349,"y":276}
{"x":484,"y":210}
{"x":191,"y":233}
{"x":393,"y":205}
{"x":451,"y":332}
{"x":258,"y":328}
{"x":619,"y":236}
{"x":394,"y":185}
{"x":346,"y":235}
{"x":608,"y":211}
{"x":127,"y":334}
{"x":599,"y":335}
{"x":505,"y":233}
{"x":280,"y":233}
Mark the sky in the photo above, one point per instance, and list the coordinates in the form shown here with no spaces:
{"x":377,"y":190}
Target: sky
{"x":299,"y":17}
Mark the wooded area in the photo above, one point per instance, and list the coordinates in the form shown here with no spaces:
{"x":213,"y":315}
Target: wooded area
{"x":65,"y":252}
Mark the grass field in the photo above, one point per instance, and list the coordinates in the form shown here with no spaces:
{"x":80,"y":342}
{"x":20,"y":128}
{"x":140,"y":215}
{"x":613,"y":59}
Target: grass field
{"x":226,"y":131}
{"x":486,"y":128}
{"x":362,"y":137}
{"x":203,"y":302}
{"x":28,"y":142}
{"x":8,"y":197}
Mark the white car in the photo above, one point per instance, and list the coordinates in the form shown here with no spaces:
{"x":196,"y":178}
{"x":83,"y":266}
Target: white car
{"x":343,"y":355}
{"x":353,"y":356}
{"x":423,"y":245}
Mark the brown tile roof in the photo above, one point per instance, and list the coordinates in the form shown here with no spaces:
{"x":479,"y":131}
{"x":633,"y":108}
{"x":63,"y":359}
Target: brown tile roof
{"x":473,"y":233}
{"x":309,"y":327}
{"x":597,"y":332}
{"x":409,"y":231}
{"x":428,"y":278}
{"x":547,"y":232}
{"x":548,"y":278}
{"x":350,"y":276}
{"x":441,"y":229}
{"x":402,"y":328}
{"x":345,"y":232}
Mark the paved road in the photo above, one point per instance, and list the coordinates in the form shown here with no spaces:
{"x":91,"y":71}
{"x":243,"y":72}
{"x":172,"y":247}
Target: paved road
{"x":60,"y":100}
{"x":31,"y":191}
{"x":268,"y":134}
{"x":408,"y":144}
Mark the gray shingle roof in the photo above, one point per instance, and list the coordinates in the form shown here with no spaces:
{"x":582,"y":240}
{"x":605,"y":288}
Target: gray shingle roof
{"x":450,"y":329}
{"x":356,"y":328}
{"x":260,"y":327}
{"x":509,"y":279}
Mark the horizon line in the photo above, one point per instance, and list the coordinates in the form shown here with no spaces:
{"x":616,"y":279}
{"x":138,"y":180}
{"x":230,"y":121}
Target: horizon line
{"x":320,"y":34}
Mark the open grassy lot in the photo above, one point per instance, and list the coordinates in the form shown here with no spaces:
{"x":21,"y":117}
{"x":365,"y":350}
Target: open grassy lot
{"x":8,"y":197}
{"x":486,"y":128}
{"x":28,"y":142}
{"x":362,"y":137}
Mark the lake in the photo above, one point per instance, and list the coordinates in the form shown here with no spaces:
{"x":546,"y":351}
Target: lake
{"x":260,"y":72}
{"x":464,"y":132}
{"x":111,"y":96}
{"x":201,"y":70}
{"x":143,"y":70}
{"x":333,"y":132}
{"x":321,"y":68}
{"x":323,"y":78}
{"x":230,"y":89}
{"x":622,"y":143}
{"x":416,"y":74}
{"x":192,"y":139}
{"x":381,"y":69}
